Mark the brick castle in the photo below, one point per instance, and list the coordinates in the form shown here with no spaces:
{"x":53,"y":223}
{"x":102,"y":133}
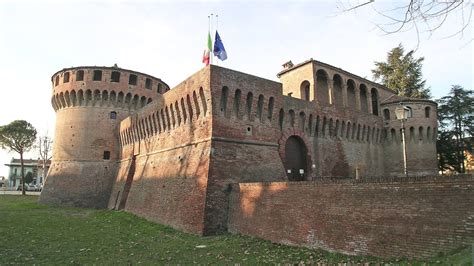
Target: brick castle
{"x":314,"y":160}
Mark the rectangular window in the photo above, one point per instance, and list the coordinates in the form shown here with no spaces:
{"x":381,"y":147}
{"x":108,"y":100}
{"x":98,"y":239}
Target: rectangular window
{"x":132,"y":80}
{"x":115,"y":77}
{"x":97,"y":75}
{"x":80,"y":75}
{"x":66,"y":77}
{"x":106,"y":155}
{"x":148,"y":83}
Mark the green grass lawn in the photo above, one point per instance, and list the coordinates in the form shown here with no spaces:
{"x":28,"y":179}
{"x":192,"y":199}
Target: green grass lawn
{"x":35,"y":234}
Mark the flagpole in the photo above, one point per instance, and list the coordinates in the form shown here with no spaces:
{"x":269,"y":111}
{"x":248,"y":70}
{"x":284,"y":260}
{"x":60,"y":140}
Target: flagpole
{"x":209,"y":23}
{"x":217,"y":28}
{"x":211,"y":54}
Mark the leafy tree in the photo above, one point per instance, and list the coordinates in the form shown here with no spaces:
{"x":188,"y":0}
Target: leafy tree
{"x":402,"y":73}
{"x":456,"y":122}
{"x":28,"y":177}
{"x":18,"y":136}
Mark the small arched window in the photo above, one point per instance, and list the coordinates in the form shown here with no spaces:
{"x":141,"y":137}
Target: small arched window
{"x":281,"y":117}
{"x":316,"y":127}
{"x":260,"y":107}
{"x":304,"y":90}
{"x":420,"y":133}
{"x":427,"y":111}
{"x":249,"y":105}
{"x":375,"y":101}
{"x":202,"y":96}
{"x":302,"y":119}
{"x":331,"y":127}
{"x":412,"y":133}
{"x":410,"y":112}
{"x":292,"y":118}
{"x":224,"y":97}
{"x":237,"y":96}
{"x":323,"y":130}
{"x":393,"y":136}
{"x":386,"y":114}
{"x":56,"y":82}
{"x":271,"y":103}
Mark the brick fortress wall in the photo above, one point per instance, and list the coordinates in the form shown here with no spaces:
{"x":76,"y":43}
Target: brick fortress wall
{"x":171,"y":141}
{"x":90,"y":102}
{"x":221,"y":127}
{"x":175,"y":154}
{"x":415,"y":217}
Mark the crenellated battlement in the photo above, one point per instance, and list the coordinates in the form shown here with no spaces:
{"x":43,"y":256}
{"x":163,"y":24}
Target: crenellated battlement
{"x":104,"y":86}
{"x":292,"y":113}
{"x":175,"y":110}
{"x":421,"y":124}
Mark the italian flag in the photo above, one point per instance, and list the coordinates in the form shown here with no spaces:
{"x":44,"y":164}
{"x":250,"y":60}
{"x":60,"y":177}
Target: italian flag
{"x":207,"y":52}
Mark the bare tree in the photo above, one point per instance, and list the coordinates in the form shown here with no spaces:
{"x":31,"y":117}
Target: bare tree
{"x":418,"y":14}
{"x":44,"y":146}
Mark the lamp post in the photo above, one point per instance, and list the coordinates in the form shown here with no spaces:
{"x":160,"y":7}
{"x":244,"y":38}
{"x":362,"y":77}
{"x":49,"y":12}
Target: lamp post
{"x":402,"y":114}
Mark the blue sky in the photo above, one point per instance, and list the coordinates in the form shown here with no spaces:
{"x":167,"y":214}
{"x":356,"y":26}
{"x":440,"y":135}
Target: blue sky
{"x":166,"y":39}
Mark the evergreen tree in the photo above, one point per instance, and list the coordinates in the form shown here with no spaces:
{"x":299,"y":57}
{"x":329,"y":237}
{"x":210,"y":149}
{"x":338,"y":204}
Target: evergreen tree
{"x":456,"y":128}
{"x":402,"y":74}
{"x":18,"y":136}
{"x":28,"y":177}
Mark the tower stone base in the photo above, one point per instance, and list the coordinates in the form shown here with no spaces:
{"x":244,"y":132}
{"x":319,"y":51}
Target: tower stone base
{"x":79,"y":184}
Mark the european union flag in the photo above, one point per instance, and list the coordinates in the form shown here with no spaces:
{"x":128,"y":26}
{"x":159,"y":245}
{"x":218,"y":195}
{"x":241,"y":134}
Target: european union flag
{"x":219,"y":49}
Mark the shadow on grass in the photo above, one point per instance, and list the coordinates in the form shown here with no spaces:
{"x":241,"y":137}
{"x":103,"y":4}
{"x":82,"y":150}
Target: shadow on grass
{"x":38,"y":234}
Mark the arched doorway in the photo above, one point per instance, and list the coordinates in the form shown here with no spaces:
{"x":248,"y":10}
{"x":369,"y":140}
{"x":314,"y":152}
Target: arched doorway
{"x":296,"y":159}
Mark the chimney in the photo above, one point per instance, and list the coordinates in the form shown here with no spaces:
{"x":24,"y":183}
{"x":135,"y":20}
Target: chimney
{"x":288,"y":65}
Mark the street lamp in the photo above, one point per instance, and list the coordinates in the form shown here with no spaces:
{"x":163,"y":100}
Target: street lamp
{"x":402,"y":113}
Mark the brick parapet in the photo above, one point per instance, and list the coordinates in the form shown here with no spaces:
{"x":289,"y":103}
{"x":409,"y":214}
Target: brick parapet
{"x":369,"y":180}
{"x":396,"y":217}
{"x":183,"y":111}
{"x":69,"y":90}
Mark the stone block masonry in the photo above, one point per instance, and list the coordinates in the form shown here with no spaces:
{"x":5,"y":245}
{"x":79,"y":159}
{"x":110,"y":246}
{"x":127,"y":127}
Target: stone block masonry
{"x":399,"y":217}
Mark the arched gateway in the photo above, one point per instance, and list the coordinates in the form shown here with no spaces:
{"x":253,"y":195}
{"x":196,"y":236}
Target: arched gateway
{"x":295,"y":160}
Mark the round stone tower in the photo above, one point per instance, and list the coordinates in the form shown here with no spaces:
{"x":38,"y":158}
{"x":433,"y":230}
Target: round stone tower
{"x":90,"y":102}
{"x":420,"y":132}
